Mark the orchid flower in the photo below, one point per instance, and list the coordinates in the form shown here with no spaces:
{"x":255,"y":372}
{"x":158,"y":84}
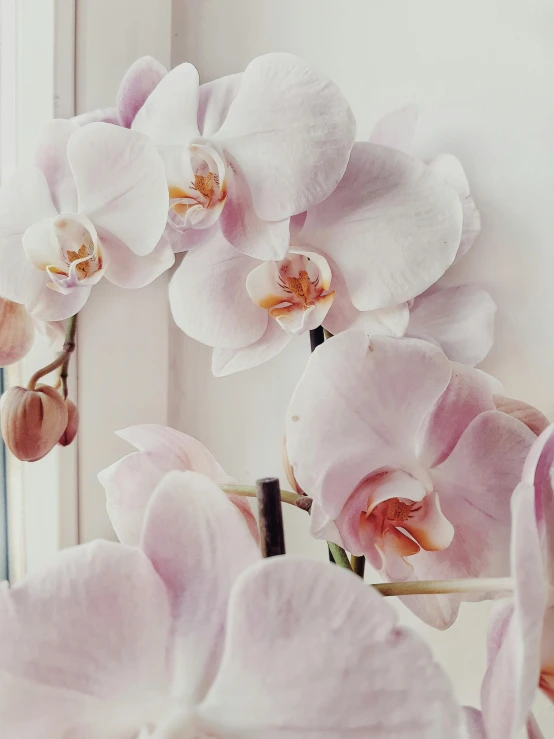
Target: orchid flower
{"x":459,"y":319}
{"x":192,"y":635}
{"x":407,"y":461}
{"x":521,"y":635}
{"x":387,"y":232}
{"x":248,"y":151}
{"x":94,"y":204}
{"x":130,"y":482}
{"x":138,"y":82}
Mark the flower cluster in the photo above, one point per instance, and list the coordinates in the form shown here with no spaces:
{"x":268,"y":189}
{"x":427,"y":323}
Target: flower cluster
{"x":403,"y":453}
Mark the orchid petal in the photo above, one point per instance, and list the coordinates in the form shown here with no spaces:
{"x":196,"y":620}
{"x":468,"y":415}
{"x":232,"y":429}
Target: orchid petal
{"x":397,"y":129}
{"x":51,"y":159}
{"x":121,"y":184}
{"x":392,"y":226}
{"x":169,"y":115}
{"x":215,"y":99}
{"x":527,"y":414}
{"x":474,"y":723}
{"x":24,"y":200}
{"x":377,"y":395}
{"x":126,"y":269}
{"x":429,"y":526}
{"x":189,"y":513}
{"x":451,"y":170}
{"x":319,"y":626}
{"x":90,"y":633}
{"x":241,"y":226}
{"x":296,"y":320}
{"x":209,"y":300}
{"x":272,"y":342}
{"x":458,"y":319}
{"x":138,"y":83}
{"x":101,"y":115}
{"x":468,"y":394}
{"x":297,"y":123}
{"x":47,"y":304}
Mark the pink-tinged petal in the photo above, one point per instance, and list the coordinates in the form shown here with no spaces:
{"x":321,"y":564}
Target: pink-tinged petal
{"x":376,"y":397}
{"x":17,"y":332}
{"x":91,"y":632}
{"x":209,"y":300}
{"x":139,"y":81}
{"x":101,"y":115}
{"x":169,"y":115}
{"x":392,"y":226}
{"x":126,"y":269}
{"x":174,"y":450}
{"x":129,"y":484}
{"x":474,"y":484}
{"x":458,"y":319}
{"x":291,"y":130}
{"x":397,"y":129}
{"x":533,"y":729}
{"x":395,"y":549}
{"x":243,"y":228}
{"x":184,"y":240}
{"x":189,"y":515}
{"x":338,"y":662}
{"x":451,"y":170}
{"x":322,"y":527}
{"x":474,"y":723}
{"x":24,"y":199}
{"x":468,"y":394}
{"x":527,"y":414}
{"x":47,"y":304}
{"x":215,"y":99}
{"x":51,"y":159}
{"x":121,"y":184}
{"x":228,"y":361}
{"x":343,"y":315}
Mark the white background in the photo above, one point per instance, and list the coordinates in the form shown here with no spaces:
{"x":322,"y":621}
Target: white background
{"x":482,"y":73}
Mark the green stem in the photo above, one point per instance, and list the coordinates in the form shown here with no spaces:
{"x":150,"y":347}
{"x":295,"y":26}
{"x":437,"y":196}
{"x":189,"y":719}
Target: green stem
{"x":358,"y":565}
{"x":248,"y":491}
{"x":339,"y":555}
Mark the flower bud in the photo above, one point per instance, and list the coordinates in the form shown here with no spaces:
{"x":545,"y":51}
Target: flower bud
{"x":527,"y":414}
{"x":17,"y":332}
{"x":72,"y":424}
{"x":289,"y":472}
{"x":32,"y":421}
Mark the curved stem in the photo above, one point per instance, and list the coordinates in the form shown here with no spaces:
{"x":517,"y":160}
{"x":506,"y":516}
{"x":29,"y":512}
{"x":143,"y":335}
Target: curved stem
{"x":249,"y":491}
{"x":442,"y":587}
{"x":61,"y":361}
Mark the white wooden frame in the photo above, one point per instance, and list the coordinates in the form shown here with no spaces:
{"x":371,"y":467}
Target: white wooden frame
{"x":70,"y":57}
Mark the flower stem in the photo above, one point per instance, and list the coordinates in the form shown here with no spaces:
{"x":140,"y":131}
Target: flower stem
{"x":339,"y":555}
{"x":62,"y":360}
{"x":270,"y":517}
{"x":442,"y":587}
{"x":249,"y":491}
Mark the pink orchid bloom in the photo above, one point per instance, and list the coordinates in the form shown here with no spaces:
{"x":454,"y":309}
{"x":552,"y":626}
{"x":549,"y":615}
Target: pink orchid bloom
{"x":94,"y":204}
{"x":388,"y":231}
{"x":248,"y":151}
{"x":407,"y":461}
{"x":192,"y":635}
{"x":139,"y":81}
{"x":130,"y":482}
{"x":459,"y":319}
{"x":521,"y":635}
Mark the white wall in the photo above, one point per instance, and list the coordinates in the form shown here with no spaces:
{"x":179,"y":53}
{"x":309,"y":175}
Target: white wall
{"x":482,"y":72}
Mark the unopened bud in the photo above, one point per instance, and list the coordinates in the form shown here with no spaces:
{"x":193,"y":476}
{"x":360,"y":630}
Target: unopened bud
{"x":72,"y":424}
{"x":289,"y":472}
{"x":17,"y":332}
{"x":32,"y":421}
{"x":527,"y":414}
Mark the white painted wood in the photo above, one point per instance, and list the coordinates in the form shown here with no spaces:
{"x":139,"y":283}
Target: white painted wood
{"x":123,"y":334}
